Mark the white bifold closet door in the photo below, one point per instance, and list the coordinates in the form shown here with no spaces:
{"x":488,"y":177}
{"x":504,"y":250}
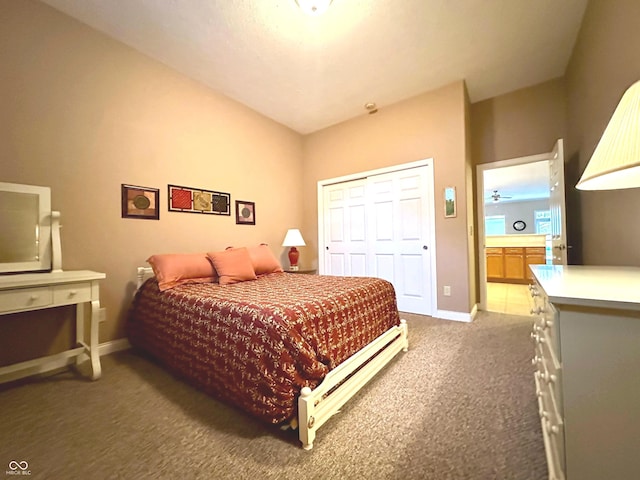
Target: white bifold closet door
{"x":380,"y":226}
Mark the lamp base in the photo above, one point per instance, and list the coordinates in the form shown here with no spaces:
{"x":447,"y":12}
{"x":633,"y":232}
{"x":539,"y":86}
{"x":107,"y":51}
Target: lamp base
{"x":294,"y":268}
{"x":294,"y":254}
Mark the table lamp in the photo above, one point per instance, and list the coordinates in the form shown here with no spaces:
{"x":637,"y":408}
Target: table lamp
{"x":293,"y":239}
{"x":615,"y":162}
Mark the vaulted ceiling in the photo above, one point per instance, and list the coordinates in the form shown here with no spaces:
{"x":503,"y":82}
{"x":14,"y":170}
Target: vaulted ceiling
{"x":312,"y":72}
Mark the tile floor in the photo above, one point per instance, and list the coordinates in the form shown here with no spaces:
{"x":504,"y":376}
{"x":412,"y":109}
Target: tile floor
{"x":509,"y":298}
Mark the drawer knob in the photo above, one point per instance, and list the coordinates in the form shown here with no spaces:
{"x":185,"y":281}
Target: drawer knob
{"x":550,"y":428}
{"x":33,"y":297}
{"x":73,"y":292}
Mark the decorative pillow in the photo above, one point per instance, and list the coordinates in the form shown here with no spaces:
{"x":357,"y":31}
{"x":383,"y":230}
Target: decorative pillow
{"x":233,"y":265}
{"x":263,"y":260}
{"x":178,"y":268}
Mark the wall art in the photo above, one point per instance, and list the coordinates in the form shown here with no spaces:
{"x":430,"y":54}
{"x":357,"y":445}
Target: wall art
{"x":245,"y":212}
{"x":198,"y":200}
{"x":140,"y":202}
{"x":450,"y":202}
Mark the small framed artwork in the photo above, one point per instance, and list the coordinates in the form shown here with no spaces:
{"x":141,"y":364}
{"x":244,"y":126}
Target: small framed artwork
{"x":449,"y":202}
{"x":245,"y":213}
{"x":197,"y":200}
{"x":140,"y":202}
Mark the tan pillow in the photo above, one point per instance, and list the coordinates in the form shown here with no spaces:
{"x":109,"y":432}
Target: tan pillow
{"x":233,"y":265}
{"x":175,"y":269}
{"x":263,"y":260}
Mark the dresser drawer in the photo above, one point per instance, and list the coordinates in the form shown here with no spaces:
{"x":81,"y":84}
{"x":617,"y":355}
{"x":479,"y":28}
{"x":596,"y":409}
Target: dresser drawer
{"x":513,"y":250}
{"x":72,"y":293}
{"x":25,"y":298}
{"x":493,"y":250}
{"x":552,"y":431}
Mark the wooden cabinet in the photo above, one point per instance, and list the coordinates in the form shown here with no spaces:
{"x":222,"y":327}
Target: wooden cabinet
{"x":495,"y":263}
{"x":586,"y":333}
{"x":511,"y":264}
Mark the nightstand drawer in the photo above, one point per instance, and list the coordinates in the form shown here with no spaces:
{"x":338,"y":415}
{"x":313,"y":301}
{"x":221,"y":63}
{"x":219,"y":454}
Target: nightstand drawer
{"x":25,"y":298}
{"x":72,"y":293}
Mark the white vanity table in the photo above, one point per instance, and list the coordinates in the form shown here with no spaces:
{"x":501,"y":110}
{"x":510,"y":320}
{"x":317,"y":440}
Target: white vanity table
{"x":587,"y":369}
{"x":35,"y":291}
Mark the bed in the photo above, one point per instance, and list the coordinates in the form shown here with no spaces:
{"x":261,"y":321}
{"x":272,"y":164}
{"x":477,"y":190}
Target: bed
{"x":289,"y":349}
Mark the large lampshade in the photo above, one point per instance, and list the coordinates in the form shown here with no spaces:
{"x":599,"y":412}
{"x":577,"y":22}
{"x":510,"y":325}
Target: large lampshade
{"x":293,"y":238}
{"x":615,"y":162}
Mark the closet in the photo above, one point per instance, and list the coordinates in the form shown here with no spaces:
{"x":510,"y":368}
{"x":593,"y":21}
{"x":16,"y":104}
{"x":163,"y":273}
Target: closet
{"x":380,"y":224}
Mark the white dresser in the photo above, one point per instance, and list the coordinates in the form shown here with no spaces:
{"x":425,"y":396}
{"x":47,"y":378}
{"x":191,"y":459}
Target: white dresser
{"x":35,"y":291}
{"x":587,"y":370}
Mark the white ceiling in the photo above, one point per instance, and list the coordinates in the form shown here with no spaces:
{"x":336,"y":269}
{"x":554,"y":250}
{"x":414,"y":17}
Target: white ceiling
{"x":518,"y":183}
{"x":312,"y":72}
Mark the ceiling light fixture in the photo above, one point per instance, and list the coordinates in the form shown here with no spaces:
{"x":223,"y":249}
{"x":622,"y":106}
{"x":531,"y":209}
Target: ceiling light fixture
{"x":314,"y":7}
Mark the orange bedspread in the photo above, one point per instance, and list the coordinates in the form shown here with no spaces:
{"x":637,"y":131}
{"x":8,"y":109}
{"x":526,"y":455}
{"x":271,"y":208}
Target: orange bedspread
{"x":255,"y":344}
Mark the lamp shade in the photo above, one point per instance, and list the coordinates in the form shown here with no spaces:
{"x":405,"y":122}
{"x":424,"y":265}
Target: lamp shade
{"x":615,"y":162}
{"x":293,"y":238}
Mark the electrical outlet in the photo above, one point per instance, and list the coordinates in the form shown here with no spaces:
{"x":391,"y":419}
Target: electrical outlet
{"x":447,"y":291}
{"x":102,"y":315}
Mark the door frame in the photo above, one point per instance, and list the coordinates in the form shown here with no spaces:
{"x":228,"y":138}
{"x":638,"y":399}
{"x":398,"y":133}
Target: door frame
{"x":480,"y":169}
{"x":430,"y":198}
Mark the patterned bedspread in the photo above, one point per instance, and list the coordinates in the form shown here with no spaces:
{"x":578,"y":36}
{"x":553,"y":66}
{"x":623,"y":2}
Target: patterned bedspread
{"x":255,"y":344}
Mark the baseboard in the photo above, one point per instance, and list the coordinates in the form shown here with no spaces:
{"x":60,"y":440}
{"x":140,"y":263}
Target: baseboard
{"x":456,"y":316}
{"x":113,"y":346}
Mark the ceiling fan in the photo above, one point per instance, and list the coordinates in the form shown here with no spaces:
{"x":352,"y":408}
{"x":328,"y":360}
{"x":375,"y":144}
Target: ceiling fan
{"x":496,"y":196}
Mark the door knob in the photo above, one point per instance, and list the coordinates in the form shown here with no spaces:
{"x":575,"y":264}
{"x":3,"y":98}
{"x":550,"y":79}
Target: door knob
{"x":424,"y":247}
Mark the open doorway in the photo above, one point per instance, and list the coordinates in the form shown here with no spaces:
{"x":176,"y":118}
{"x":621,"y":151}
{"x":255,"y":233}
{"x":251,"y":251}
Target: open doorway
{"x":516,"y":226}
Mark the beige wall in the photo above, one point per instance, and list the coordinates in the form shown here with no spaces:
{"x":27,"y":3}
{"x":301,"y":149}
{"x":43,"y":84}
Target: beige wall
{"x":431,"y":125}
{"x":518,"y":124}
{"x":605,"y":62}
{"x":84,"y":114}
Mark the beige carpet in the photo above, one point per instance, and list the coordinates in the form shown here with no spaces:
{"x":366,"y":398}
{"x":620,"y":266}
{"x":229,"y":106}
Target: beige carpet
{"x":459,"y":405}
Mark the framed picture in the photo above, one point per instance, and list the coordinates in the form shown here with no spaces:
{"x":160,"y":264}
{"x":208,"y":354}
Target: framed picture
{"x":197,"y":200}
{"x":140,"y":202}
{"x":449,"y":202}
{"x":245,"y":213}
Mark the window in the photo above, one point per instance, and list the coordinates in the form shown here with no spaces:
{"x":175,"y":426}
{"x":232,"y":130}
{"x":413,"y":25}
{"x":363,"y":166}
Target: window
{"x":543,"y":221}
{"x":494,"y":225}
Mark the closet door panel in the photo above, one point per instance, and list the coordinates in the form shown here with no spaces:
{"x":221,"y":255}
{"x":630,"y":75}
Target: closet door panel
{"x":381,"y":226}
{"x":384,"y":267}
{"x":345,"y":229}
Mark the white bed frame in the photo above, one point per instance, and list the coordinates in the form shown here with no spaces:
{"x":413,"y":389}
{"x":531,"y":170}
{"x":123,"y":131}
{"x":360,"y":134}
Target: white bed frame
{"x":317,"y":406}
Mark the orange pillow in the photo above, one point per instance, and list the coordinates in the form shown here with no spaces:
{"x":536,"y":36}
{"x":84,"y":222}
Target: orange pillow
{"x":233,"y":265}
{"x":263,"y":260}
{"x":175,"y":269}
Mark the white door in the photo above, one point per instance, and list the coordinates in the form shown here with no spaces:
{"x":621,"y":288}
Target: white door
{"x":399,"y":236}
{"x":345,"y":229}
{"x":557,"y":205}
{"x":380,"y":226}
